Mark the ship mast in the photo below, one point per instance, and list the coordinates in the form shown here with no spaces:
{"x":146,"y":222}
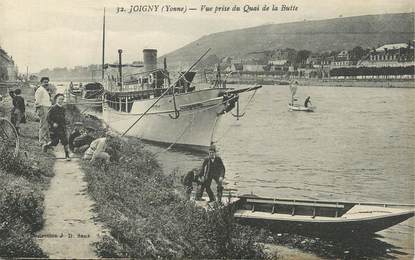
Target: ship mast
{"x":103,"y":47}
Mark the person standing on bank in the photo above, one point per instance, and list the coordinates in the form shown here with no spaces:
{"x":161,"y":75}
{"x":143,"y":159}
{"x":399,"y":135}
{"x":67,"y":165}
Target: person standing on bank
{"x":18,"y":110}
{"x":42,"y":104}
{"x":57,"y":123}
{"x":212,"y":169}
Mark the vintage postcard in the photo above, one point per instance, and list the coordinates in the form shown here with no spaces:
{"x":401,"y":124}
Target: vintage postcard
{"x":234,"y":129}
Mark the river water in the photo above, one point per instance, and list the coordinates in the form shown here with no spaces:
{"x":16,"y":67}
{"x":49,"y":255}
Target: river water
{"x":359,"y":145}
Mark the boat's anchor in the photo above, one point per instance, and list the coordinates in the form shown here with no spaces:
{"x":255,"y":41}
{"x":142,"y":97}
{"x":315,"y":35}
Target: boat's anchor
{"x":238,"y":115}
{"x":176,"y":111}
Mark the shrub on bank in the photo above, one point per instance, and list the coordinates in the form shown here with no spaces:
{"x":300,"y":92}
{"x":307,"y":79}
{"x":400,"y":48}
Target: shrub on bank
{"x":21,"y":214}
{"x":21,"y":200}
{"x":19,"y":166}
{"x":148,"y":220}
{"x":16,"y":239}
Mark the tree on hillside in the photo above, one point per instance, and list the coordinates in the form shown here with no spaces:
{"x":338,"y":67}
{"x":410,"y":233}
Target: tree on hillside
{"x":302,"y":56}
{"x":334,"y":53}
{"x":357,"y":53}
{"x":290,"y":55}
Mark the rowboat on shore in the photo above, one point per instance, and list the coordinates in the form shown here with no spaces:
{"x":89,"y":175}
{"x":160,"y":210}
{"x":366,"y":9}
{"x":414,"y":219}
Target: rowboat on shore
{"x":92,"y":91}
{"x":320,"y":217}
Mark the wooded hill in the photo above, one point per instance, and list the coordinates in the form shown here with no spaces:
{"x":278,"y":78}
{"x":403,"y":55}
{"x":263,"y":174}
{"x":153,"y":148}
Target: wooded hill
{"x":317,"y":36}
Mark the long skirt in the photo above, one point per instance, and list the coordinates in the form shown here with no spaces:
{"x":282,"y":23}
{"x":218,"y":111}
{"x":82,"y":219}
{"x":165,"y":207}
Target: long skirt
{"x":16,"y":117}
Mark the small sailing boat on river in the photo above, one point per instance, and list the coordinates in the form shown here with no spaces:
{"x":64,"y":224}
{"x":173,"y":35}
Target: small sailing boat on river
{"x":294,"y":107}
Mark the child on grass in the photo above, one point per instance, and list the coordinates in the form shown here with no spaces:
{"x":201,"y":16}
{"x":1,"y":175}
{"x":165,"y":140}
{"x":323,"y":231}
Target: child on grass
{"x":57,"y":126}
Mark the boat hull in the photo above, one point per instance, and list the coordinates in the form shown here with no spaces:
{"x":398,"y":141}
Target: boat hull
{"x":193,"y":129}
{"x":301,"y":108}
{"x":320,"y":217}
{"x":325,"y":227}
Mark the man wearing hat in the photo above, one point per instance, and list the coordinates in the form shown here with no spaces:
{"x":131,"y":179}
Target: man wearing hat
{"x":212,"y":169}
{"x":76,"y":132}
{"x":42,"y":104}
{"x":82,"y":142}
{"x":80,"y":138}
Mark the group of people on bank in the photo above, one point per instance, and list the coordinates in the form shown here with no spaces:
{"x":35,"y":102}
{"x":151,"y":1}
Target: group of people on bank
{"x":50,"y":109}
{"x":212,"y":169}
{"x":51,"y":113}
{"x":52,"y":131}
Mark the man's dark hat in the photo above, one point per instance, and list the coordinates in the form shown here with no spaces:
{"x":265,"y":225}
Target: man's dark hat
{"x":212,"y":148}
{"x":44,"y":78}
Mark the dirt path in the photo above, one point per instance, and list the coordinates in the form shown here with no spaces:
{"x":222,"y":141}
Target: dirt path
{"x":69,"y":228}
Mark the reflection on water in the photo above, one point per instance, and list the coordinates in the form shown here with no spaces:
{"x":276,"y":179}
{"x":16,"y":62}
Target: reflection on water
{"x":359,"y":145}
{"x":359,"y":247}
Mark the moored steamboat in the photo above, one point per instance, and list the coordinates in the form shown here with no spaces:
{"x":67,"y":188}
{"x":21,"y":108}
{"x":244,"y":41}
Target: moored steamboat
{"x":148,"y":106}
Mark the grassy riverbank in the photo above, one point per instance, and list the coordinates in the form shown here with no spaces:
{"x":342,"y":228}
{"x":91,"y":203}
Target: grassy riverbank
{"x":22,"y":180}
{"x":148,"y":219}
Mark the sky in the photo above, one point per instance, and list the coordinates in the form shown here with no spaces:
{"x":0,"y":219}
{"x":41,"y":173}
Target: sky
{"x":65,"y":33}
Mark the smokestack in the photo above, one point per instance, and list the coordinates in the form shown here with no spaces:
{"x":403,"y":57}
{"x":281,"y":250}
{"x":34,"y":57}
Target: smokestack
{"x":150,"y":59}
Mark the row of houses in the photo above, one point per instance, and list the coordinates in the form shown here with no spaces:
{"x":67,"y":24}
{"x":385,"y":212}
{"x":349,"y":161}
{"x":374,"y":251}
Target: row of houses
{"x":8,"y":69}
{"x":320,"y":65}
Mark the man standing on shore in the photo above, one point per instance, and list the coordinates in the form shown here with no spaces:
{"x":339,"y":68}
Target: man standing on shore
{"x":212,"y":169}
{"x":42,"y":104}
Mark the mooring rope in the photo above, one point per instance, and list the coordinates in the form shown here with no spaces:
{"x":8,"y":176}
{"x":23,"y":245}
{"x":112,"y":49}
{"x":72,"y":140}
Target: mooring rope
{"x":244,"y":110}
{"x":180,"y":136}
{"x":208,"y":108}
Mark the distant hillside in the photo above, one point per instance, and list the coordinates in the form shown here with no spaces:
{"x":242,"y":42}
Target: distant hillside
{"x":317,"y":36}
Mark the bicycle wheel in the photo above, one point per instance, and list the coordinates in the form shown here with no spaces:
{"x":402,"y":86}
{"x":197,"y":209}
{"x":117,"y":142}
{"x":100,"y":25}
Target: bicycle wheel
{"x":9,"y":139}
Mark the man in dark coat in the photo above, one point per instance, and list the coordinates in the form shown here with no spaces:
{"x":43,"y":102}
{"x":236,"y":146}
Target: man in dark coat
{"x":188,"y":180}
{"x":307,"y":101}
{"x":212,"y":169}
{"x":82,"y":142}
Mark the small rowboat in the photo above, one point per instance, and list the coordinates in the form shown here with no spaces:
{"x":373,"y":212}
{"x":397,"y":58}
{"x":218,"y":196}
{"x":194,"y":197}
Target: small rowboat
{"x":320,"y":217}
{"x":301,"y":108}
